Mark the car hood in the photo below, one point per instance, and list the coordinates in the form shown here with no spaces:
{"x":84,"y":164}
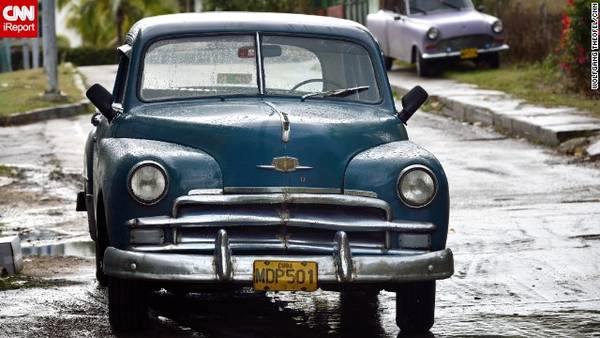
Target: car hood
{"x":458,"y":23}
{"x":245,"y":136}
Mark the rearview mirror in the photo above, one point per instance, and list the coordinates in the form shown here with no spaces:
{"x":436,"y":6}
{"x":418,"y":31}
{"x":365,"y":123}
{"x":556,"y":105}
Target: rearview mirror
{"x":102,"y":99}
{"x":412,"y":101}
{"x":268,"y":51}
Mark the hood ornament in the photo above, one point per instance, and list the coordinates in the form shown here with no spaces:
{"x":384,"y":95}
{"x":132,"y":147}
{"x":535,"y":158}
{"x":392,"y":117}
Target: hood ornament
{"x":285,"y":122}
{"x":284,"y":164}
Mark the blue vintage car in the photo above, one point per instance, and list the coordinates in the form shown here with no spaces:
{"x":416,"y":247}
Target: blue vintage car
{"x":429,"y":32}
{"x":260,"y":150}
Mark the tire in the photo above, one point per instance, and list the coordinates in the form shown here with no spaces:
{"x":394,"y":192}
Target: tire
{"x":491,"y":61}
{"x":423,"y":66}
{"x":127,"y":305}
{"x":100,"y":276}
{"x":494,"y":60}
{"x":415,"y":307}
{"x":389,"y":62}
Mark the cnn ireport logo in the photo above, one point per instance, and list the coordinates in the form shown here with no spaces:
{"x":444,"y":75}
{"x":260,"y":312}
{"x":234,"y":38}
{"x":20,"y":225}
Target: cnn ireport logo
{"x":18,"y":18}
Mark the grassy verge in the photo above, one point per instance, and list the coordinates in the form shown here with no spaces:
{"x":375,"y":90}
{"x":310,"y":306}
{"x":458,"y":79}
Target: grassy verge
{"x":8,"y":171}
{"x":21,"y":282}
{"x":21,"y":91}
{"x":539,"y":84}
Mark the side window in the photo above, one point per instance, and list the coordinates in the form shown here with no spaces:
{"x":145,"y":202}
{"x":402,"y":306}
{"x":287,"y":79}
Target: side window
{"x":121,"y":80}
{"x":396,"y":6}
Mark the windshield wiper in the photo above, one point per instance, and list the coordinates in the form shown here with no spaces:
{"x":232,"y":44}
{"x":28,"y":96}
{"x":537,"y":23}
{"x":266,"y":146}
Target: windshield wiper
{"x":450,"y":5}
{"x":342,"y":92}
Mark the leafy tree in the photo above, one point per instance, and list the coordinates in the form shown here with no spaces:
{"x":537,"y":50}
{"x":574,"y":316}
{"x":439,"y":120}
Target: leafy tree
{"x":291,"y":6}
{"x":104,"y":23}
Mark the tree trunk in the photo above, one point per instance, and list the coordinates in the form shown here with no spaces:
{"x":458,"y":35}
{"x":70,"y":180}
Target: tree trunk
{"x":119,"y":21}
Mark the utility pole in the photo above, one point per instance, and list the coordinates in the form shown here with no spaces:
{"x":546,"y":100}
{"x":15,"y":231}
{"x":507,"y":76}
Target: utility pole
{"x":50,"y":52}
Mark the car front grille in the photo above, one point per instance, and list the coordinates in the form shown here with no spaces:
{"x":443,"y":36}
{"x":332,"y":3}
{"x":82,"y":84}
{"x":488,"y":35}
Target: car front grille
{"x":277,"y":223}
{"x":462,"y":42}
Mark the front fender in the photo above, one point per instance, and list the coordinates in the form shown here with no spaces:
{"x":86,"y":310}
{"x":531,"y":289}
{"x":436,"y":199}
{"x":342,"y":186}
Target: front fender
{"x":377,"y":169}
{"x":187,"y":169}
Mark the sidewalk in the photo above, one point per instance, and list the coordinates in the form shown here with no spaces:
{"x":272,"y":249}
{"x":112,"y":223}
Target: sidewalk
{"x":466,"y":102}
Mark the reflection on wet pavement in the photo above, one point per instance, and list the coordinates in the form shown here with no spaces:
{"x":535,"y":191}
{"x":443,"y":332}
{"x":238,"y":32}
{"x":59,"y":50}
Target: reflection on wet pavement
{"x":85,"y":249}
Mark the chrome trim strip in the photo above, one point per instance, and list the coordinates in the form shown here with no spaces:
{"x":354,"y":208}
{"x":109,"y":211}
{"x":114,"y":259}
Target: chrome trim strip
{"x":259,"y":65}
{"x":253,"y":247}
{"x":229,"y":220}
{"x":453,"y":54}
{"x":363,"y":193}
{"x":201,"y":268}
{"x":205,"y":192}
{"x":264,"y":190}
{"x":286,"y":127}
{"x":272,"y":167}
{"x":285,"y":190}
{"x":283,"y":198}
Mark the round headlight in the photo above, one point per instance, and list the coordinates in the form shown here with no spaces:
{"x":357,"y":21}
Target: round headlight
{"x":433,"y":33}
{"x":497,"y":27}
{"x":148,"y":182}
{"x":417,"y":186}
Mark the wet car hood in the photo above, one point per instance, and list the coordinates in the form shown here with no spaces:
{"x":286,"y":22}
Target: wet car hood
{"x":458,"y":23}
{"x":245,"y":136}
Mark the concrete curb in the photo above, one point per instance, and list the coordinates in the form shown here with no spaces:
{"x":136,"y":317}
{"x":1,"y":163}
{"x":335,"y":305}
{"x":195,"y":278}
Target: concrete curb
{"x":42,"y":114}
{"x":548,"y":126}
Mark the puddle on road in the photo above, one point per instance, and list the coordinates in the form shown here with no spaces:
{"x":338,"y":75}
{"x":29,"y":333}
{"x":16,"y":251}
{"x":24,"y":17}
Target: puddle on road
{"x":84,"y":249}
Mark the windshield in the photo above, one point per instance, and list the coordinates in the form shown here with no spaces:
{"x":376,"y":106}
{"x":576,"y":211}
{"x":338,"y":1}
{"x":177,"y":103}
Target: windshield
{"x":226,"y":65}
{"x":426,"y":6}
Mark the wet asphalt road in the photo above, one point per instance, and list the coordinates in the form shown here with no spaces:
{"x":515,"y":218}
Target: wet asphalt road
{"x":525,"y":229}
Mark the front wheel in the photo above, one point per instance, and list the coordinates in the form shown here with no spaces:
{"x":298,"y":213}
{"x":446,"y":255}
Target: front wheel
{"x":100,"y":276}
{"x":490,"y":60}
{"x":389,"y":62}
{"x":415,"y":307}
{"x":424,"y":67}
{"x":127,"y":305}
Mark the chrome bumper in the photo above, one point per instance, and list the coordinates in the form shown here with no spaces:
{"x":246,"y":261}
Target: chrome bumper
{"x":340,"y":267}
{"x":457,"y":53}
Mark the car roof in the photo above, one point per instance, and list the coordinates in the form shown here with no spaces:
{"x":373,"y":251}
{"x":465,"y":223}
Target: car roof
{"x":194,"y":23}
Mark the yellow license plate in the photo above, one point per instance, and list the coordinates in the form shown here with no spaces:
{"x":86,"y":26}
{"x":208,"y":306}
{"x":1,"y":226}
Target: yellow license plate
{"x":468,"y":53}
{"x":284,"y":276}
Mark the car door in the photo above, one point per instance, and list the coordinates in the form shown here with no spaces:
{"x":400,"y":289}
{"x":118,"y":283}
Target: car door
{"x":397,"y":28}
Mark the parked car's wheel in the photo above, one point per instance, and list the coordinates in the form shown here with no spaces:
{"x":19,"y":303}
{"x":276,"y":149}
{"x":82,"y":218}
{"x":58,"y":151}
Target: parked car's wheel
{"x":127,"y":305}
{"x":415,"y":306}
{"x":424,"y":67}
{"x":490,"y":60}
{"x":100,"y":276}
{"x":389,"y":62}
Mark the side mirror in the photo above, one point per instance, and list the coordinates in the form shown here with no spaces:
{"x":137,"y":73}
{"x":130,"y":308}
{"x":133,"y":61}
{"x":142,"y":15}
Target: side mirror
{"x":412,"y":101}
{"x":481,"y":8}
{"x":397,"y":17}
{"x":102,"y":99}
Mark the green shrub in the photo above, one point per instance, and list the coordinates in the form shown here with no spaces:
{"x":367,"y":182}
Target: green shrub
{"x":86,"y":56}
{"x":575,"y":47}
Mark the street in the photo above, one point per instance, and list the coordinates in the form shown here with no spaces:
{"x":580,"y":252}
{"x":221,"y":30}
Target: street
{"x":524,"y":228}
